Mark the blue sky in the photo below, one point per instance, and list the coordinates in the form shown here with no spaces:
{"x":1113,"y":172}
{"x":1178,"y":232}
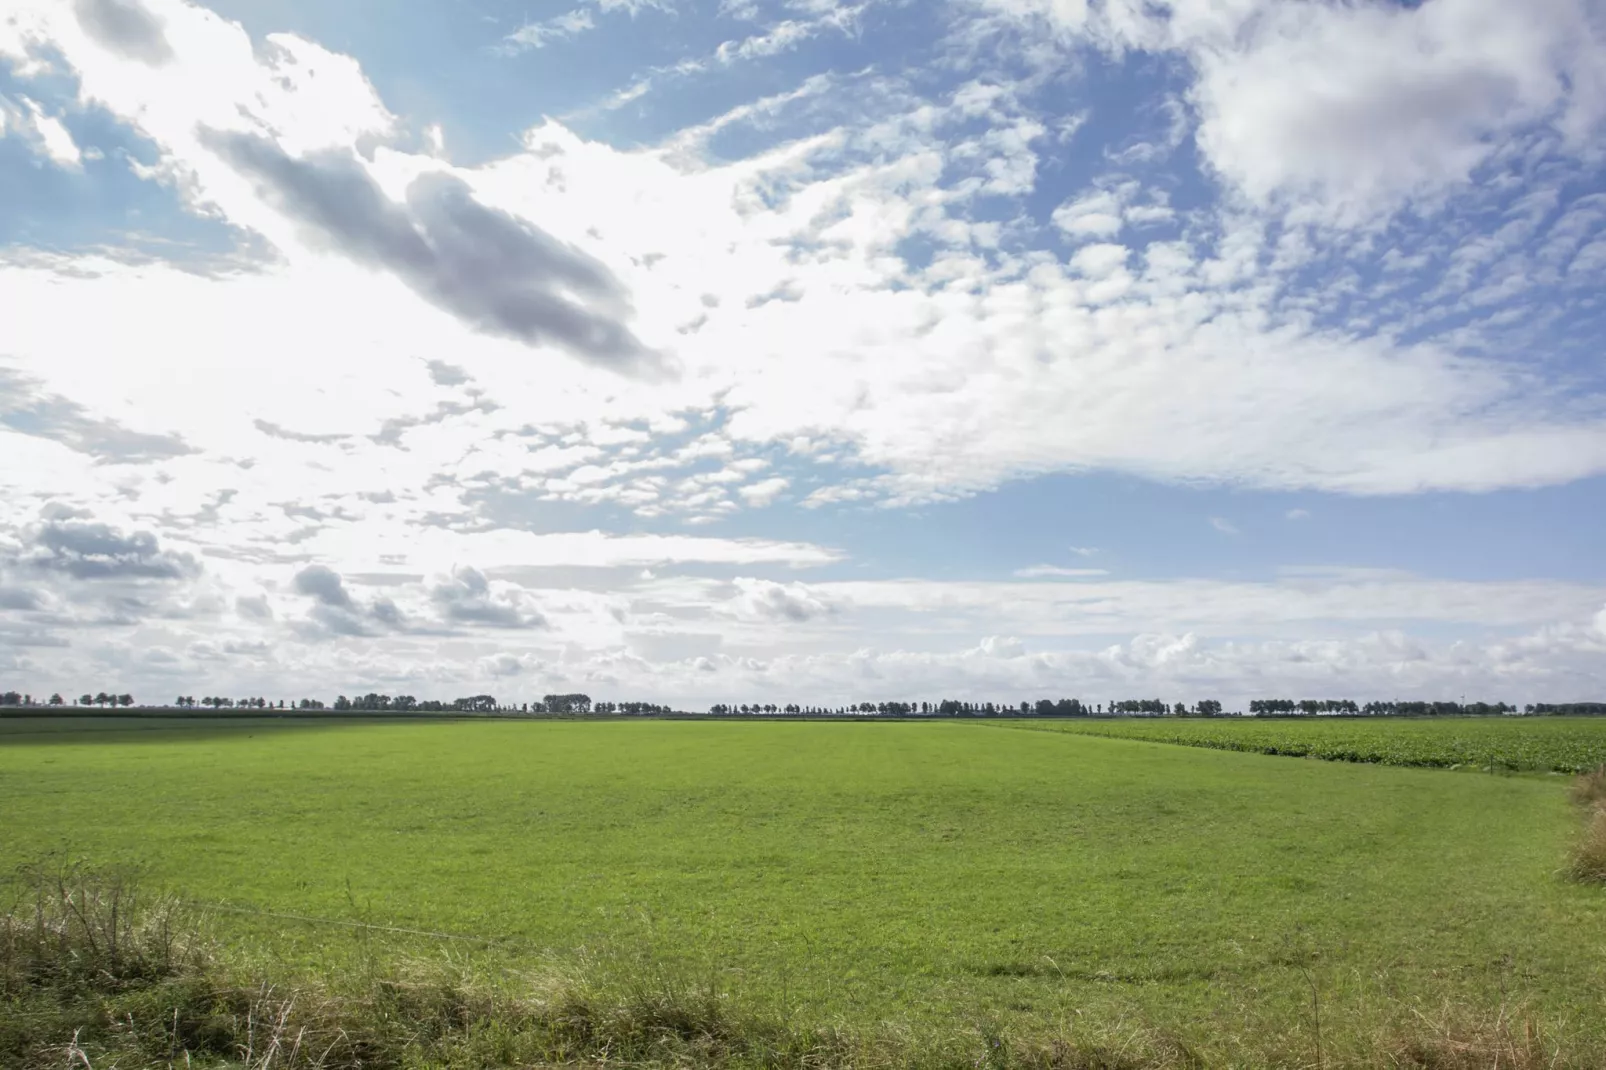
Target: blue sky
{"x":804,"y":350}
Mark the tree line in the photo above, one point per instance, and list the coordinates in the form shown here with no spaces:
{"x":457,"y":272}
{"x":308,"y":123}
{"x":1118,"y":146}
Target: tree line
{"x":1282,"y":707}
{"x":100,"y":698}
{"x":576,"y":703}
{"x":1044,"y":707}
{"x":546,"y":704}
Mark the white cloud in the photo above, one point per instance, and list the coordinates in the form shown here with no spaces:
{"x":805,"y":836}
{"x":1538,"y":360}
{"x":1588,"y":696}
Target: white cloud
{"x":54,"y":139}
{"x":1097,"y":216}
{"x":1362,"y":105}
{"x":1223,"y":525}
{"x":1297,"y":514}
{"x":1100,"y":261}
{"x":776,"y":289}
{"x":1347,"y":110}
{"x":764,"y":492}
{"x":1105,"y":212}
{"x":46,"y":133}
{"x":540,"y":34}
{"x":997,"y":646}
{"x":765,"y":600}
{"x":1044,"y":572}
{"x":964,"y":375}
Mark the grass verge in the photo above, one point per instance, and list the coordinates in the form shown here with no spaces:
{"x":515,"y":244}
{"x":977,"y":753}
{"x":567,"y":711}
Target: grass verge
{"x":96,"y":975}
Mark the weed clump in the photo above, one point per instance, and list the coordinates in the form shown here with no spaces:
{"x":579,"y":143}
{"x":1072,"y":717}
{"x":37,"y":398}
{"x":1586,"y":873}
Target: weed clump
{"x":1453,"y":1039}
{"x":1589,"y":853}
{"x":1589,"y":789}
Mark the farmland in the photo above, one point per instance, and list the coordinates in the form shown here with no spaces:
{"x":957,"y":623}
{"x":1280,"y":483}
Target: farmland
{"x":920,"y":878}
{"x":1544,"y":744}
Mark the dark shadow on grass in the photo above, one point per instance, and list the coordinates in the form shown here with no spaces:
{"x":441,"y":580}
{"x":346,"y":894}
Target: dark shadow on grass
{"x":54,"y":731}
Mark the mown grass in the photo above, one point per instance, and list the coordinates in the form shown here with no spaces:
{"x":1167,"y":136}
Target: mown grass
{"x":923,"y":881}
{"x":1546,"y":744}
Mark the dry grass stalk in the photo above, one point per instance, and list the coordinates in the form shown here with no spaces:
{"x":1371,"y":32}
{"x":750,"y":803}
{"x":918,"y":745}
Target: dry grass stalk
{"x":1589,"y":789}
{"x":1589,"y":855}
{"x":1454,"y":1040}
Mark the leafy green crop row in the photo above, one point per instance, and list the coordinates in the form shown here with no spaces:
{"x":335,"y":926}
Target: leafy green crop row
{"x":1565,"y":745}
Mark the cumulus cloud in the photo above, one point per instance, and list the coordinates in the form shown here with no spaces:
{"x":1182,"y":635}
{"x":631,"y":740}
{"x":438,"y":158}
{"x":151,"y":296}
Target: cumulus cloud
{"x":467,"y":598}
{"x":444,"y":374}
{"x":323,"y":584}
{"x":1364,"y":104}
{"x":495,"y":271}
{"x":125,"y":27}
{"x":335,"y":612}
{"x":253,"y":607}
{"x":1000,"y":646}
{"x":764,"y":492}
{"x":1095,"y":216}
{"x":766,"y":600}
{"x":93,"y":551}
{"x":1350,"y":109}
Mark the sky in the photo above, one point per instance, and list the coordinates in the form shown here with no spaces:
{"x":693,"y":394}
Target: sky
{"x":735,"y":351}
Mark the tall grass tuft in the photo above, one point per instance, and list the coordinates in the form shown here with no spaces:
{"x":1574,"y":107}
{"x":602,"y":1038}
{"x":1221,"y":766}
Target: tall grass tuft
{"x":1589,"y":789}
{"x":69,"y":928}
{"x":1454,"y":1039}
{"x":1589,"y":854}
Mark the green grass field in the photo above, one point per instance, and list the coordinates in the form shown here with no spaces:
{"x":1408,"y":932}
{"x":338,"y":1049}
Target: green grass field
{"x":1547,"y":744}
{"x":922,"y":874}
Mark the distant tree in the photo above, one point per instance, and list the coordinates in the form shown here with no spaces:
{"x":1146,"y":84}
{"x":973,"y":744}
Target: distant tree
{"x":101,"y":698}
{"x":56,"y":700}
{"x":86,"y":700}
{"x":1208,"y":707}
{"x":125,"y":700}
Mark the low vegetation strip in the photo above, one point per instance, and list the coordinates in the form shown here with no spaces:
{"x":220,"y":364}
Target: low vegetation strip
{"x":1549,"y":744}
{"x":93,"y":973}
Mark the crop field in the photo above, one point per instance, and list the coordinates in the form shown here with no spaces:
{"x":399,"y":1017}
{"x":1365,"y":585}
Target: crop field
{"x":918,"y":876}
{"x":1545,"y":744}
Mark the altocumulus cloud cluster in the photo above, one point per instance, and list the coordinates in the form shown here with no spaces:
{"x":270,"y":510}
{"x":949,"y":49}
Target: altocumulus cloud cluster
{"x":741,"y":352}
